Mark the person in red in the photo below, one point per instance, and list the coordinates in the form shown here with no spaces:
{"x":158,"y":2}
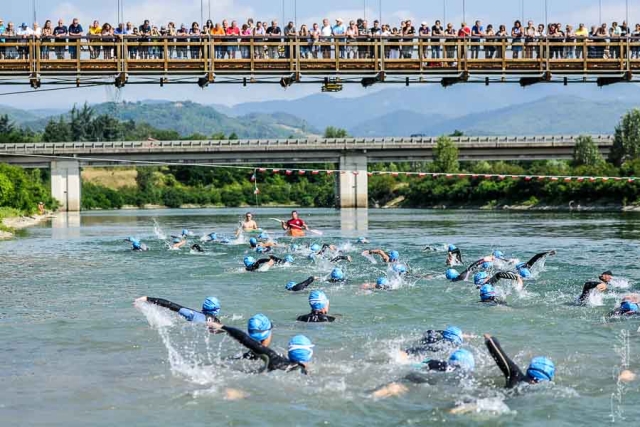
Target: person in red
{"x":233,"y":31}
{"x":295,"y":226}
{"x":464,"y":32}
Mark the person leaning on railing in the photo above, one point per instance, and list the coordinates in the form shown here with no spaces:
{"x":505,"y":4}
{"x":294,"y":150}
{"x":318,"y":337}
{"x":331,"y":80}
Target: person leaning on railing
{"x":108,"y":38}
{"x":516,"y":39}
{"x":477,"y":32}
{"x":582,"y":36}
{"x":436,"y":32}
{"x":75,"y":33}
{"x":501,"y":38}
{"x":47,"y":37}
{"x":95,"y":30}
{"x":314,"y":39}
{"x":289,"y":35}
{"x":274,"y":33}
{"x":635,"y":43}
{"x":490,"y":39}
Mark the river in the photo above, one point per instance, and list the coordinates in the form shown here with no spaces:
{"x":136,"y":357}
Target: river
{"x":77,"y":352}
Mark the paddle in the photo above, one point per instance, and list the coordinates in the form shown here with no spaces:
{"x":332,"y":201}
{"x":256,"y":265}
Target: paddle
{"x":316,"y":232}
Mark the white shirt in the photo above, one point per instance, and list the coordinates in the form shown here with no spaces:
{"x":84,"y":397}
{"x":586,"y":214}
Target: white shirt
{"x":326,"y":31}
{"x":24,"y":32}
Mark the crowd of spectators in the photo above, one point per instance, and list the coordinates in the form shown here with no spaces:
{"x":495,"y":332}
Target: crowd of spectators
{"x":349,"y":40}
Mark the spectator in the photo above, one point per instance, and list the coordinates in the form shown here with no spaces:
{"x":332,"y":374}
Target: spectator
{"x":582,"y":34}
{"x":208,"y":26}
{"x":47,"y":34}
{"x":409,"y":33}
{"x":501,"y":36}
{"x":233,"y":33}
{"x":375,"y":33}
{"x":635,"y":40}
{"x":424,"y":32}
{"x":195,"y":40}
{"x":314,"y":39}
{"x":540,"y":40}
{"x":274,"y":32}
{"x":60,"y":33}
{"x":570,"y":40}
{"x":352,"y":37}
{"x":95,"y":30}
{"x":394,"y":40}
{"x":145,"y":37}
{"x":245,"y":48}
{"x":363,"y":36}
{"x":615,"y":33}
{"x":172,"y":34}
{"x":477,"y":32}
{"x":2,"y":40}
{"x":305,"y":41}
{"x":25,"y":34}
{"x":260,"y":30}
{"x":464,"y":32}
{"x":516,"y":42}
{"x":339,"y":31}
{"x":450,"y":43}
{"x":218,"y":33}
{"x":75,"y":32}
{"x":107,"y":37}
{"x":327,"y":33}
{"x":289,"y":33}
{"x":156,"y":50}
{"x":529,"y":40}
{"x":436,"y":30}
{"x":489,"y":47}
{"x":602,"y":36}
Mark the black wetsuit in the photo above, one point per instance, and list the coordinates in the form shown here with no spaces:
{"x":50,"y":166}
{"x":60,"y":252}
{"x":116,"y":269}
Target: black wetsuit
{"x":431,"y":365}
{"x":340,"y":258}
{"x":465,"y":274}
{"x":197,"y":248}
{"x":432,"y":341}
{"x":255,"y":266}
{"x":537,"y":257}
{"x":315,"y":317}
{"x":510,"y":370}
{"x":457,"y":255}
{"x":273,"y":361}
{"x":586,"y":290}
{"x":303,"y":285}
{"x":506,"y":275}
{"x":188,"y":313}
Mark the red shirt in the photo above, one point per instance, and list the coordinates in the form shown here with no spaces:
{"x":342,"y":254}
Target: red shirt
{"x":464,"y":32}
{"x":233,"y":31}
{"x":295,"y":223}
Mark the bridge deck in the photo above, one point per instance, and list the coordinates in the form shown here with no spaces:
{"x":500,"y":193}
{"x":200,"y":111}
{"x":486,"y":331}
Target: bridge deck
{"x":260,"y":60}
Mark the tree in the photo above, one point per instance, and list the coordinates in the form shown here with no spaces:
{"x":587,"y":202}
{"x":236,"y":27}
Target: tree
{"x":445,"y":156}
{"x":6,"y":126}
{"x":626,"y":143}
{"x":333,"y":132}
{"x":457,"y":133}
{"x":81,"y":122}
{"x":586,"y":152}
{"x":57,"y":131}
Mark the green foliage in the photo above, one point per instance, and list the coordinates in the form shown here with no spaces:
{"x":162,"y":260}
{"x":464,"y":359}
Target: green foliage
{"x":586,"y":152}
{"x":23,"y":189}
{"x":333,"y":132}
{"x":445,"y":156}
{"x":94,"y":196}
{"x":626,"y":145}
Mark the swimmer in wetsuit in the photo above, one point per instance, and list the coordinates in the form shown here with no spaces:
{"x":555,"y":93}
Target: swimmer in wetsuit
{"x":197,"y":248}
{"x":454,"y":256}
{"x":211,"y":237}
{"x":297,"y":287}
{"x":136,"y":245}
{"x":540,"y":369}
{"x":259,"y":328}
{"x":337,"y":276}
{"x":210,"y":308}
{"x":434,"y":341}
{"x":339,"y":257}
{"x":600,"y":286}
{"x":454,"y":276}
{"x":382,"y":283}
{"x":251,"y":264}
{"x":391,"y":257}
{"x":524,"y":268}
{"x":299,"y":354}
{"x":626,"y":309}
{"x":178,"y":242}
{"x":319,"y":308}
{"x":460,"y":361}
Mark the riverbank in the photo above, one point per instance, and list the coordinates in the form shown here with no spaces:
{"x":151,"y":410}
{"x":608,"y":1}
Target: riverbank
{"x":11,"y":224}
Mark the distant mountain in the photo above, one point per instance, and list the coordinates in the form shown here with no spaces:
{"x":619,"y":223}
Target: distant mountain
{"x":398,"y":123}
{"x":187,"y":118}
{"x":17,"y":116}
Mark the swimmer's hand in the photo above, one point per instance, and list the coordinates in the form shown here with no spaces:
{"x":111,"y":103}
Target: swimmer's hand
{"x":214,"y":326}
{"x":393,"y":389}
{"x":366,"y":252}
{"x":140,"y":300}
{"x":601,"y":287}
{"x":469,"y":336}
{"x":626,"y":376}
{"x":553,"y":252}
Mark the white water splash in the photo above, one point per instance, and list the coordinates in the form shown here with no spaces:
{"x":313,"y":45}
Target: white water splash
{"x":370,"y":258}
{"x":623,"y":351}
{"x":619,"y":283}
{"x":157,"y":230}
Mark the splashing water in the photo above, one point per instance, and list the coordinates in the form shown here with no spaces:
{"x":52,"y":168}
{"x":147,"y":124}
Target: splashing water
{"x":623,"y":351}
{"x":369,"y":257}
{"x":157,"y":230}
{"x":619,"y":283}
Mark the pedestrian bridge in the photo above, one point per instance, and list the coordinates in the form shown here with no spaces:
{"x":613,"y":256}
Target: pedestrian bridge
{"x":351,"y":154}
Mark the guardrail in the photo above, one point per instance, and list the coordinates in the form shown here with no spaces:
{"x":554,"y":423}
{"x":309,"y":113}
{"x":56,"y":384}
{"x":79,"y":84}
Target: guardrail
{"x":256,"y":56}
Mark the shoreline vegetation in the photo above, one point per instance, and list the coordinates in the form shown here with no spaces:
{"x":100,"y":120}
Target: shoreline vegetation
{"x":195,"y":187}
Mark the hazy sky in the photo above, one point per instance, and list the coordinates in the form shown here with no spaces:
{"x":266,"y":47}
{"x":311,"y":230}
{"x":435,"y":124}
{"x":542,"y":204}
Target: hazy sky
{"x":307,"y":11}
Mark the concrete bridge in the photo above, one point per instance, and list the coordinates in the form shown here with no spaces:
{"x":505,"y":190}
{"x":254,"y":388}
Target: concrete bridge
{"x":351,"y":154}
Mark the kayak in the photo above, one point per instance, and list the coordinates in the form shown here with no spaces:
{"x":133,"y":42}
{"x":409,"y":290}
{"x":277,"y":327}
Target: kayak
{"x":294,"y":232}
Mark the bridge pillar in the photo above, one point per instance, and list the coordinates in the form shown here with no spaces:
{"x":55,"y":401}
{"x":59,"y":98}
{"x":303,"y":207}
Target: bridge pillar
{"x":65,"y":184}
{"x":353,"y":182}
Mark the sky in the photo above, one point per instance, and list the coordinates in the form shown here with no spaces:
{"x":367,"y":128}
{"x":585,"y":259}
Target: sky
{"x":302,"y":11}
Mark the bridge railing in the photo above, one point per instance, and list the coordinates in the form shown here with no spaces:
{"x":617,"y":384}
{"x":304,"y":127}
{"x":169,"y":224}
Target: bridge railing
{"x":253,"y":56}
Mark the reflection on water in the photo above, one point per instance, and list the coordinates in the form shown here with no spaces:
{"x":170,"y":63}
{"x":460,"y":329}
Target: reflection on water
{"x":66,"y":225}
{"x":354,"y":220}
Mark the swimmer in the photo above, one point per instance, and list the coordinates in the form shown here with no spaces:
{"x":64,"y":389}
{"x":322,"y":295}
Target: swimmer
{"x":197,"y":248}
{"x":255,"y":244}
{"x":482,"y":278}
{"x":435,"y":341}
{"x":211,"y":237}
{"x":382,"y":283}
{"x":362,"y":241}
{"x":210,"y":308}
{"x":297,"y":287}
{"x":454,"y":256}
{"x":299,"y":354}
{"x":524,"y":268}
{"x":488,"y":296}
{"x":626,"y":309}
{"x":454,"y":276}
{"x":540,"y":369}
{"x":259,"y":328}
{"x":339,"y":257}
{"x":319,"y":308}
{"x":136,"y":246}
{"x":389,"y":258}
{"x":248,"y":224}
{"x":337,"y":276}
{"x":460,"y":361}
{"x":601,"y":286}
{"x":178,"y":242}
{"x":251,"y":264}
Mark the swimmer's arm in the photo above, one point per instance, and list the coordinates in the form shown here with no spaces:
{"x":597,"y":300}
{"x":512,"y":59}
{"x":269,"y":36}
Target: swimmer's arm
{"x":303,"y":285}
{"x":380,"y":252}
{"x":246,"y":341}
{"x":276,"y":259}
{"x":341,"y":258}
{"x":163,"y":303}
{"x":589,"y":286}
{"x":435,"y":365}
{"x":538,"y":257}
{"x":509,"y":369}
{"x":506,"y":275}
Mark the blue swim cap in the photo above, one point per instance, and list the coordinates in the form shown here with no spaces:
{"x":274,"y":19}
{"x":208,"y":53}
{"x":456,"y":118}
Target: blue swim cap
{"x":131,"y":239}
{"x":337,"y":274}
{"x":362,"y":240}
{"x":136,"y":245}
{"x":315,"y":247}
{"x":290,"y":285}
{"x":177,"y":240}
{"x":524,"y":272}
{"x":452,"y":248}
{"x":185,"y":232}
{"x":399,"y":268}
{"x":225,"y":241}
{"x":629,"y":307}
{"x":288,"y":259}
{"x":487,"y":292}
{"x":211,"y":306}
{"x":318,"y":300}
{"x":382,"y":282}
{"x":453,"y":334}
{"x":264,"y":235}
{"x":259,"y":327}
{"x":300,"y":349}
{"x":487,"y":265}
{"x":521,"y":265}
{"x":452,"y":274}
{"x":394,"y":256}
{"x":249,"y":261}
{"x":294,"y":247}
{"x":462,"y":359}
{"x":541,"y":369}
{"x":311,"y":256}
{"x":498,"y":254}
{"x":253,"y":242}
{"x":213,"y":236}
{"x":261,"y":249}
{"x":480,"y":278}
